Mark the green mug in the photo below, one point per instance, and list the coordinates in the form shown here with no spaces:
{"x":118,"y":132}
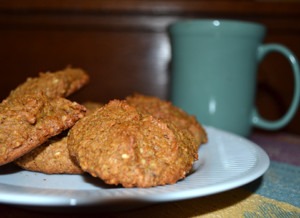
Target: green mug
{"x":213,"y":73}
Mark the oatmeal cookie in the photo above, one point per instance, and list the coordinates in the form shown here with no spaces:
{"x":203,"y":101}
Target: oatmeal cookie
{"x":121,"y":145}
{"x":52,"y":157}
{"x":165,"y":110}
{"x":35,"y":111}
{"x":27,"y":122}
{"x":57,"y":84}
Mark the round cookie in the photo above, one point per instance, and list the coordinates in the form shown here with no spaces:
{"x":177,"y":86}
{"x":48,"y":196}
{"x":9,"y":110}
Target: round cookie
{"x":166,"y":111}
{"x":35,"y":111}
{"x":120,"y":145}
{"x":53,"y":157}
{"x":53,"y":84}
{"x":29,"y":121}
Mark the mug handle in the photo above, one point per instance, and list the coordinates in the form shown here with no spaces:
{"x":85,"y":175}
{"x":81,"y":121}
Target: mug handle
{"x":257,"y":120}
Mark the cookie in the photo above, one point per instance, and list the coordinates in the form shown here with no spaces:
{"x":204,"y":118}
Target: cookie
{"x":52,"y":157}
{"x":27,"y":122}
{"x":35,"y":111}
{"x":165,"y":110}
{"x":121,"y":145}
{"x":57,"y":84}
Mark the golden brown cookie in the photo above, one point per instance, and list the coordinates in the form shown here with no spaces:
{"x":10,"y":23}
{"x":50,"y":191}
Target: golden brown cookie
{"x":52,"y":157}
{"x":120,"y":145}
{"x":165,"y":110}
{"x":27,"y":122}
{"x":35,"y":111}
{"x":57,"y":84}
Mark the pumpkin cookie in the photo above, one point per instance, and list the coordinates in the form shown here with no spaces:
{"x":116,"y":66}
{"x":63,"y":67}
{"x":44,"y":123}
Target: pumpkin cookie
{"x":121,"y":145}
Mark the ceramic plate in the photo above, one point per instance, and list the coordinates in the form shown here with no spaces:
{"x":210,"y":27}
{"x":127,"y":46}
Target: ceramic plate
{"x":227,"y":161}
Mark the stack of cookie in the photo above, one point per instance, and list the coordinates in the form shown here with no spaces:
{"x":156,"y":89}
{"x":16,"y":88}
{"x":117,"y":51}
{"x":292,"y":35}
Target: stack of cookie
{"x":140,"y":141}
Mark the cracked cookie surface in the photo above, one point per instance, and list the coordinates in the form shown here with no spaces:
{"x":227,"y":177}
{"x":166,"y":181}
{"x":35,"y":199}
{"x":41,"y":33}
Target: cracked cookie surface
{"x":165,"y":110}
{"x":52,"y":157}
{"x":36,"y":110}
{"x":120,"y":145}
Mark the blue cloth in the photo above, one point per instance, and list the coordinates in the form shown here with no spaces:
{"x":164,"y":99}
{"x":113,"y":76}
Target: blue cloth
{"x":281,"y":182}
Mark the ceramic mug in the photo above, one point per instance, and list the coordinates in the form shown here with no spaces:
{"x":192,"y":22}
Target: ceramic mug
{"x":213,"y":73}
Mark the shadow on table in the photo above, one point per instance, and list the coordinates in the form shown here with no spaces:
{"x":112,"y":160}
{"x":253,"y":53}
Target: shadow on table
{"x":254,"y":186}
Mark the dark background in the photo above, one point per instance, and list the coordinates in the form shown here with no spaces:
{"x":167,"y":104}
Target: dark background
{"x":125,"y":48}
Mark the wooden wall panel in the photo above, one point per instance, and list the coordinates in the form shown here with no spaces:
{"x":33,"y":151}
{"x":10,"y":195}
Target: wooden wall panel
{"x":125,"y":47}
{"x":111,"y":58}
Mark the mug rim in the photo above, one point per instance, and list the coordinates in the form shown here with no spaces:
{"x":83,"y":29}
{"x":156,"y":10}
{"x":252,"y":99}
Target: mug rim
{"x":226,"y":26}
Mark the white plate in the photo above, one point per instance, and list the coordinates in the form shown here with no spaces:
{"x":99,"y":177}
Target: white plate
{"x":226,"y":162}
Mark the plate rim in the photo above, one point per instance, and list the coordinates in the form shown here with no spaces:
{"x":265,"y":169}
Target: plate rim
{"x":56,"y":200}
